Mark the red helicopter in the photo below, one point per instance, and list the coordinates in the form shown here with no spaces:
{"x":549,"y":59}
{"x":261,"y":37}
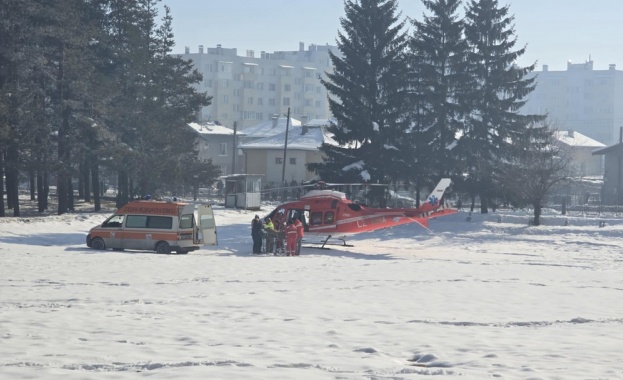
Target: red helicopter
{"x":326,"y":212}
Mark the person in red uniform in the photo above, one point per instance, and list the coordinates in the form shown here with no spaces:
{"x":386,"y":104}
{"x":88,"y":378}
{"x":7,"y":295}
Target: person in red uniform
{"x":291,"y":236}
{"x":300,"y":233}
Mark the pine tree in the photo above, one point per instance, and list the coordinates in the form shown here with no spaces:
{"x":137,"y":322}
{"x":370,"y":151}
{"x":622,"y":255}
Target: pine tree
{"x":438,"y":57}
{"x":22,"y":28}
{"x":368,"y":95}
{"x":499,"y":91}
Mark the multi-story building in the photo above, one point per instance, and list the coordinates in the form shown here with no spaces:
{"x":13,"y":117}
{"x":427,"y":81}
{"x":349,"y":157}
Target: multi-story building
{"x":250,"y":89}
{"x":581,"y":99}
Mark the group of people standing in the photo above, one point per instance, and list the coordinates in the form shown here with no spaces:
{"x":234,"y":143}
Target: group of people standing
{"x":274,"y":235}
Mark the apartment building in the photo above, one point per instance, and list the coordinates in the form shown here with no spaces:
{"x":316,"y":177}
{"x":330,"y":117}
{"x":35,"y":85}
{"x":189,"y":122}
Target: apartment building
{"x":251,"y":89}
{"x":581,"y":99}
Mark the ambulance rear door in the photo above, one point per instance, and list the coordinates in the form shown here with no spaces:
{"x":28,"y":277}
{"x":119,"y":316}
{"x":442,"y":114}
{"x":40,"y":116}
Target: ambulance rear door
{"x":206,"y":225}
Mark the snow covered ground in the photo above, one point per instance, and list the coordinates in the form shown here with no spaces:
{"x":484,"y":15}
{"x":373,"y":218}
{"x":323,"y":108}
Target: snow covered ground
{"x":490,"y":298}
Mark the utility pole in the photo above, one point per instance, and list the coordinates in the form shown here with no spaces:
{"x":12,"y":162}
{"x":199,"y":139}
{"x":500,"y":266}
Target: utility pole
{"x":233,"y":153}
{"x":285,"y":150}
{"x":620,"y":152}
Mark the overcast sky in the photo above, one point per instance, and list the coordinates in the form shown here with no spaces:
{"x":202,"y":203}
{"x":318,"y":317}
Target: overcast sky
{"x":554,"y":30}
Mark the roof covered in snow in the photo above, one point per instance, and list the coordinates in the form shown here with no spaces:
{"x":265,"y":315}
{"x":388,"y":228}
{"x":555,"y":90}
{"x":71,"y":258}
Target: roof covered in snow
{"x":311,"y":140}
{"x":576,"y":139}
{"x":268,"y":128}
{"x":210,"y":128}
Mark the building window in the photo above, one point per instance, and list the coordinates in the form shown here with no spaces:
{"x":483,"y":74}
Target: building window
{"x":223,"y":149}
{"x":271,"y":101}
{"x":260,"y":101}
{"x":272,"y":87}
{"x":287,"y":87}
{"x":286,"y":101}
{"x":292,"y":160}
{"x":278,"y":160}
{"x":250,"y":101}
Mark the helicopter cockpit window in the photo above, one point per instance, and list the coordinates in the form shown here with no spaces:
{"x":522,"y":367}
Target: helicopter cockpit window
{"x":329,"y":217}
{"x":316,"y":218}
{"x":354,"y":207}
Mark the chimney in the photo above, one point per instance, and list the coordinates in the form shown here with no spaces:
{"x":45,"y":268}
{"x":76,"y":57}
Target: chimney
{"x":275,"y":120}
{"x":305,"y":127}
{"x":186,"y":49}
{"x":301,"y":46}
{"x":263,"y":54}
{"x":545,"y":67}
{"x":612,"y":67}
{"x":200,"y":49}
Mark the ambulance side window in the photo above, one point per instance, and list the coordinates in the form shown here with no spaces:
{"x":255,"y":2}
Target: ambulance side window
{"x":144,"y":221}
{"x":136,"y":221}
{"x":186,"y":221}
{"x":162,"y":222}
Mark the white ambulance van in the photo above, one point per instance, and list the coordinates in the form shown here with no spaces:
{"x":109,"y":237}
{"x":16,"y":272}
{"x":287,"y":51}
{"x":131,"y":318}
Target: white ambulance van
{"x":158,"y":226}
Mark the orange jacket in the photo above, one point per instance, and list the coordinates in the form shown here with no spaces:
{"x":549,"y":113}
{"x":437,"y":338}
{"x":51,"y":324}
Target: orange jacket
{"x":300,"y":230}
{"x":291,"y":231}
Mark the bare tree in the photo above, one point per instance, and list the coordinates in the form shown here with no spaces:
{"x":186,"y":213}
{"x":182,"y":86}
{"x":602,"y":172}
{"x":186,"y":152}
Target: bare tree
{"x":540,"y":164}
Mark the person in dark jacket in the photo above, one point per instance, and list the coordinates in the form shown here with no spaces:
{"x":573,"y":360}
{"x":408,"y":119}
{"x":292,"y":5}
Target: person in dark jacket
{"x":256,"y":234}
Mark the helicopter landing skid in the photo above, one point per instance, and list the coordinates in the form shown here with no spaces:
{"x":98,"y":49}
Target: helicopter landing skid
{"x":329,"y":237}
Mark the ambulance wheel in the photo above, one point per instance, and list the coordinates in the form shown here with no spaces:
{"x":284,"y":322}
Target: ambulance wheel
{"x":163,"y":247}
{"x":98,"y":244}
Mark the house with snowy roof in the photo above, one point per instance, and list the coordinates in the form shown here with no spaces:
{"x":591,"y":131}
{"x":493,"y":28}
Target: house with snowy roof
{"x":216,"y":142}
{"x":266,"y":155}
{"x":612,"y":190}
{"x":270,"y":128}
{"x":581,"y":152}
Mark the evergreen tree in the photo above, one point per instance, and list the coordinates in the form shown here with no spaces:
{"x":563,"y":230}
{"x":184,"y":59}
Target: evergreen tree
{"x":68,"y":41}
{"x":368,"y":95}
{"x":22,"y":27}
{"x":438,"y":58}
{"x":172,"y":103}
{"x":499,"y":91}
